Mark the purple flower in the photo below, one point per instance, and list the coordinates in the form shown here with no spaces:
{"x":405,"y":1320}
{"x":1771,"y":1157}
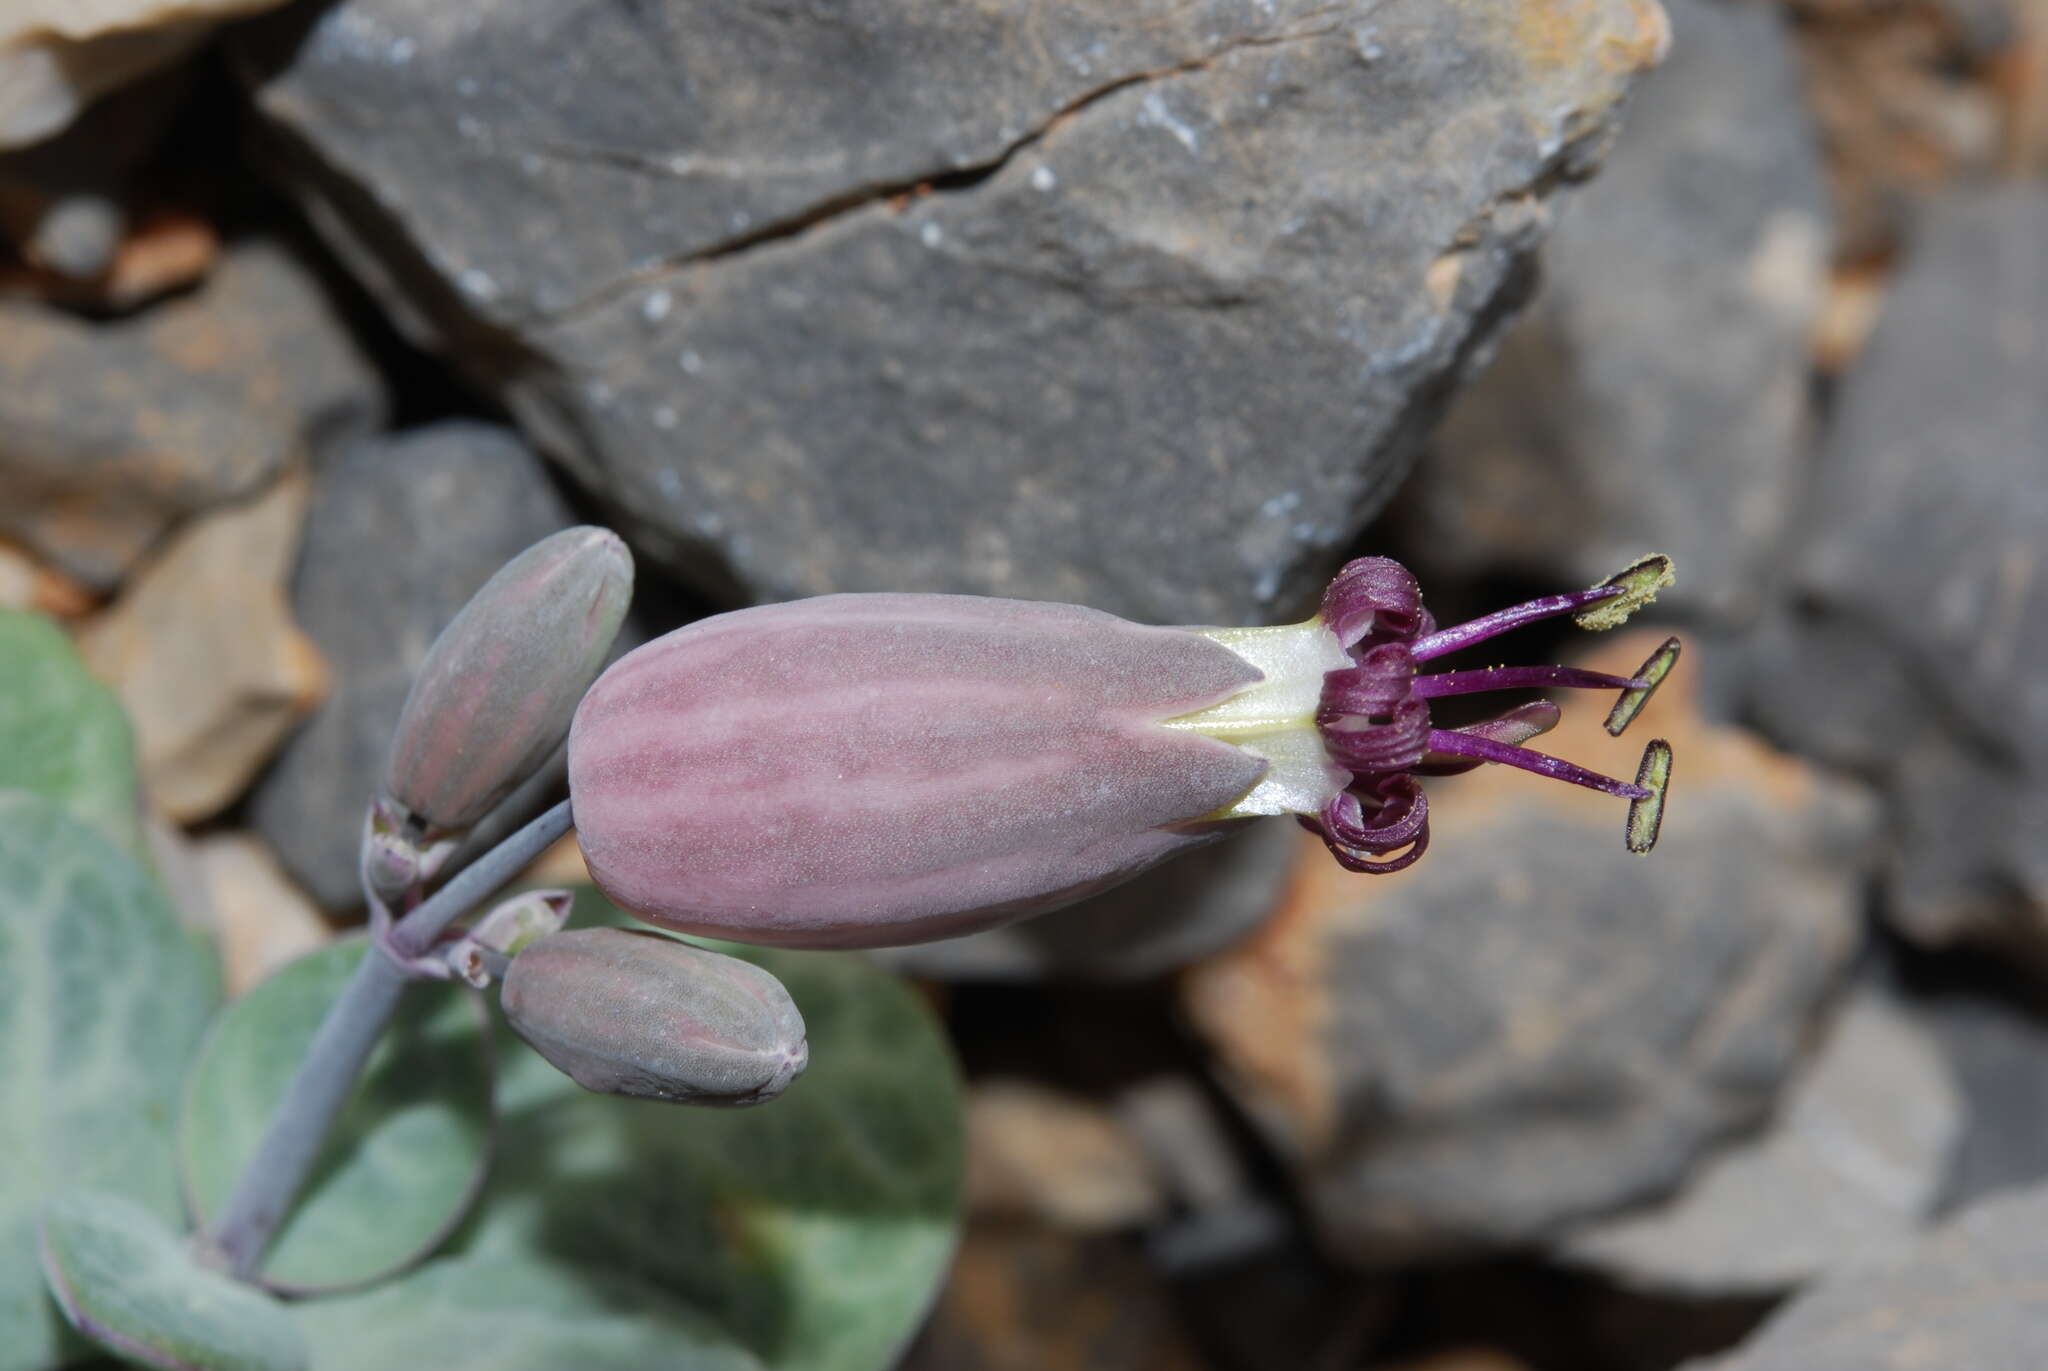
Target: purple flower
{"x":866,"y":770}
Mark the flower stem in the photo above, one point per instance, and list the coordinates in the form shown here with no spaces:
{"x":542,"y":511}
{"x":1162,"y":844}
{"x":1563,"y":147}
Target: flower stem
{"x":271,"y":1179}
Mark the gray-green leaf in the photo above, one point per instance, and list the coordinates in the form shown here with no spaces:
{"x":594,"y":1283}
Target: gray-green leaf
{"x":127,"y":1282}
{"x":816,"y":1227}
{"x":813,"y":1230}
{"x":63,"y":735}
{"x":102,"y":1001}
{"x":512,"y":1313}
{"x":406,"y":1157}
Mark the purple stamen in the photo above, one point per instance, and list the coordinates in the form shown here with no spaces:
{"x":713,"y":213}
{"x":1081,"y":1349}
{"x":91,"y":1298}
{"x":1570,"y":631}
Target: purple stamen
{"x":1507,"y":754}
{"x":1518,"y":677}
{"x":1518,"y":725}
{"x":1448,"y":640}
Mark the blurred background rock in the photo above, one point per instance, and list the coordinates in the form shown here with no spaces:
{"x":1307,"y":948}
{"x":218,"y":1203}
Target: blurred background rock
{"x":309,"y":319}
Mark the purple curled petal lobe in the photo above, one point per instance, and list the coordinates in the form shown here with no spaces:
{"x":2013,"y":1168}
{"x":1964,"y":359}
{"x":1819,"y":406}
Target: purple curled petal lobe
{"x":1382,"y":680}
{"x":862,"y":770}
{"x":1373,"y":600}
{"x":1401,"y":813}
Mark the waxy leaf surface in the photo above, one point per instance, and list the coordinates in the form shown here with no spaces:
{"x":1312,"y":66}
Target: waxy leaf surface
{"x":103,"y":998}
{"x":408,"y":1153}
{"x":131,"y":1285}
{"x":63,"y":735}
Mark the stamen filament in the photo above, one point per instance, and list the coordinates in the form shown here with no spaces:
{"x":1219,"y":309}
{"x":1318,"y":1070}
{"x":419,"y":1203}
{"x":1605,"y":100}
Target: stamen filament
{"x":1518,"y":725}
{"x":1448,"y":640}
{"x":1542,"y":763}
{"x":1520,"y":677}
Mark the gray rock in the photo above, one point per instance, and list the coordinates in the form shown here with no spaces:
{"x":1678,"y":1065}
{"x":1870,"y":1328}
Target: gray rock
{"x":1661,"y":374}
{"x":1531,"y":1026}
{"x":1134,"y":304}
{"x":402,"y":532}
{"x":1165,"y":919}
{"x":1918,"y":651}
{"x":1847,"y":1171}
{"x":111,"y":431}
{"x":1968,"y":1296}
{"x":1997,"y":1048}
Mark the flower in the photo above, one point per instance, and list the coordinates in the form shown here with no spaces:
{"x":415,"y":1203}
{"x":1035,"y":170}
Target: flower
{"x":868,"y":770}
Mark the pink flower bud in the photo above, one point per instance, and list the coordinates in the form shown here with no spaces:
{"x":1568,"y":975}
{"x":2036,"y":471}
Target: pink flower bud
{"x":864,"y":770}
{"x":626,"y":1013}
{"x":497,"y":689}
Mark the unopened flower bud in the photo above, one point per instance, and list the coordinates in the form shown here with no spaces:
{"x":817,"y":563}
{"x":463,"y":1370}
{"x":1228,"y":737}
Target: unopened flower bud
{"x":498,"y":687}
{"x":626,"y":1013}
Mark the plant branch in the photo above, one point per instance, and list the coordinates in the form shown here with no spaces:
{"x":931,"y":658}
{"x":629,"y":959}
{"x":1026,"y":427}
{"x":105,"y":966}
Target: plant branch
{"x":277,"y":1169}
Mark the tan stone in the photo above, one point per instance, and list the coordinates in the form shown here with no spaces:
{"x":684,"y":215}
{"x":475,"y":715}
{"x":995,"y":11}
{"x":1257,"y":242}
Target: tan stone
{"x":165,"y":252}
{"x":58,"y":56}
{"x":27,"y":583}
{"x":204,"y":654}
{"x":561,"y":865}
{"x":262,"y":919}
{"x":1034,"y":1152}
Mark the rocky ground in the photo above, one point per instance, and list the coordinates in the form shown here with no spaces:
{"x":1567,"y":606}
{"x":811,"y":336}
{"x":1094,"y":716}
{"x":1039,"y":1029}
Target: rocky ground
{"x":310,"y":319}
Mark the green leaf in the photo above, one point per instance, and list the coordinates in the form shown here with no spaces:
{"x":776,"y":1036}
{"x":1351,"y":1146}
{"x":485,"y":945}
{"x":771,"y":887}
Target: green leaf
{"x":405,"y":1159}
{"x":102,"y":1002}
{"x":816,"y":1227}
{"x":513,"y":1313}
{"x":127,"y":1282}
{"x":63,"y":735}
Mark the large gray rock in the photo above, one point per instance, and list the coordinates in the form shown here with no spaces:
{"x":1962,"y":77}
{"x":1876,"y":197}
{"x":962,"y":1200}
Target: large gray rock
{"x":1918,"y":653}
{"x":1848,"y":1170}
{"x":1135,"y":303}
{"x":1654,"y":395}
{"x":1531,"y":1026}
{"x":401,"y":533}
{"x":1968,"y":1297}
{"x":111,"y":431}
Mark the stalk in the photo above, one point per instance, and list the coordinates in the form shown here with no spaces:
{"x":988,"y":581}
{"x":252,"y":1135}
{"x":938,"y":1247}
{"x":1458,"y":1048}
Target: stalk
{"x":276,"y":1171}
